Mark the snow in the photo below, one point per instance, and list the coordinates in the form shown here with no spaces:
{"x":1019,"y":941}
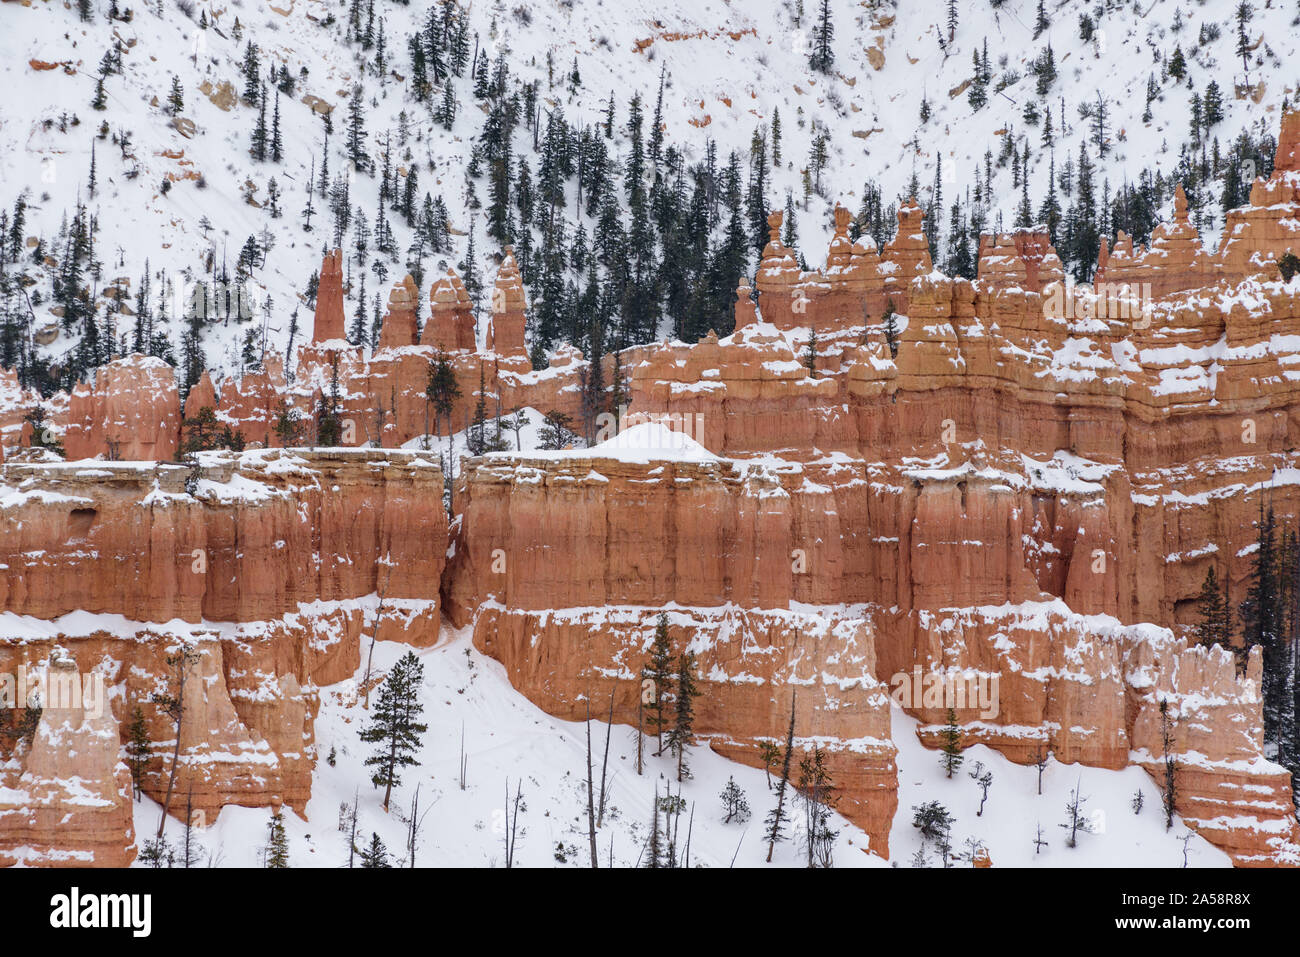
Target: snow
{"x":1015,"y":810}
{"x":643,"y":443}
{"x":509,"y":739}
{"x":727,"y":68}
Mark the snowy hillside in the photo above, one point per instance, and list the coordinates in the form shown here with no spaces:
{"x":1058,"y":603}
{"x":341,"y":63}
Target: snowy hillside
{"x":729,"y":70}
{"x":507,"y":739}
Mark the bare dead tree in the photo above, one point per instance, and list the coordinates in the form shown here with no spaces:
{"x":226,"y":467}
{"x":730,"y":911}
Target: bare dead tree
{"x":379,"y":615}
{"x":604,"y":763}
{"x":1041,"y":759}
{"x":352,"y":828}
{"x":512,"y":820}
{"x":414,"y":822}
{"x":640,"y":733}
{"x":1170,"y":795}
{"x":464,"y":760}
{"x":591,"y":804}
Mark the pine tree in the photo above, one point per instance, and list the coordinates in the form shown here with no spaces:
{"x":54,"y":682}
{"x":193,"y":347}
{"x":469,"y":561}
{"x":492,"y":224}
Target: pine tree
{"x":259,"y":142}
{"x":139,"y":752}
{"x":1244,"y":15}
{"x":776,"y":818}
{"x":654,"y":846}
{"x":442,"y":389}
{"x":682,"y":734}
{"x":810,"y":354}
{"x":734,"y":802}
{"x":822,"y":56}
{"x":659,"y":669}
{"x":176,"y":98}
{"x":375,"y":854}
{"x":1177,"y":65}
{"x":357,"y":129}
{"x":952,"y":747}
{"x":277,"y":145}
{"x":889,"y":323}
{"x":1041,"y":20}
{"x":1169,"y":791}
{"x":252,"y":71}
{"x":277,"y":850}
{"x":1212,"y":105}
{"x":1261,"y":620}
{"x":394,"y":725}
{"x":1214,"y":626}
{"x":978,"y":94}
{"x":1076,"y":820}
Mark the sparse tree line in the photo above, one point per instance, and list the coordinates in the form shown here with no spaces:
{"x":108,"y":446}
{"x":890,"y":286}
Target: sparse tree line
{"x":1266,"y":615}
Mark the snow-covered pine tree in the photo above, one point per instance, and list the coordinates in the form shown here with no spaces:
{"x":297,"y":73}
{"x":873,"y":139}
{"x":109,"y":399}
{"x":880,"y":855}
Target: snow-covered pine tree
{"x":394,"y":724}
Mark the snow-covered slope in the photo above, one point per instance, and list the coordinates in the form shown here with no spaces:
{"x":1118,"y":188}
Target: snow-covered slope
{"x":728,"y":69}
{"x":506,"y":738}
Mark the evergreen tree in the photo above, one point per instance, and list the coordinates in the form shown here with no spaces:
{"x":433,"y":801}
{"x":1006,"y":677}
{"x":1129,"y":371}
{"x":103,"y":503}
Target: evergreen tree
{"x":252,"y":71}
{"x":1261,"y":621}
{"x":1041,"y":20}
{"x":682,"y":734}
{"x":176,"y":98}
{"x":774,"y":827}
{"x":277,"y":145}
{"x":889,"y":323}
{"x":442,"y":389}
{"x":659,"y":669}
{"x":356,"y":146}
{"x":1177,"y":65}
{"x":259,"y":141}
{"x":394,"y":725}
{"x":139,"y":750}
{"x":654,"y":846}
{"x":277,"y":850}
{"x":1244,"y":14}
{"x":1214,"y":626}
{"x":375,"y":854}
{"x":734,"y":802}
{"x":952,"y":747}
{"x":978,"y":94}
{"x":822,"y":56}
{"x":1212,"y":105}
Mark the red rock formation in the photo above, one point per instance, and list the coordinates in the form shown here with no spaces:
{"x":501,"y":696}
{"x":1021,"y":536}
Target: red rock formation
{"x":253,"y":404}
{"x":65,"y":799}
{"x":328,"y":324}
{"x":505,"y":334}
{"x":398,"y":328}
{"x":451,"y":325}
{"x":202,"y":396}
{"x":283,"y":548}
{"x":1022,"y":478}
{"x":133,"y":413}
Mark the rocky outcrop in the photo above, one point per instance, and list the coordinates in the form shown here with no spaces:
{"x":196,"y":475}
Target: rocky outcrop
{"x":895,"y":481}
{"x":280,"y":563}
{"x":133,"y":413}
{"x":328,"y":323}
